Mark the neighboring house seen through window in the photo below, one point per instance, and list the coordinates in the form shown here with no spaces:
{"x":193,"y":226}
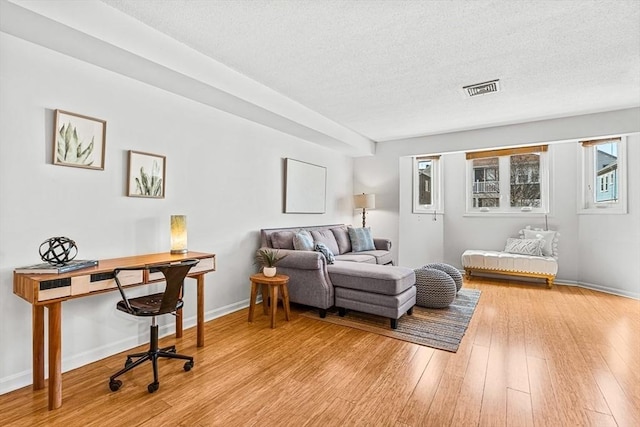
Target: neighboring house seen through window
{"x":509,"y":180}
{"x":603,"y":176}
{"x":426,"y":185}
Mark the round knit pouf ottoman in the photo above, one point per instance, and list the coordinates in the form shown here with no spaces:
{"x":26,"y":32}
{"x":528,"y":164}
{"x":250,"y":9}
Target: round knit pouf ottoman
{"x":450,"y":270}
{"x":434,"y":288}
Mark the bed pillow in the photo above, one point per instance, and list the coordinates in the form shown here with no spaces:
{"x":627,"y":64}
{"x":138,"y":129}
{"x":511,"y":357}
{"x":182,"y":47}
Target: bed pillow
{"x":361,"y":239}
{"x":524,"y":246}
{"x":548,"y":236}
{"x":327,"y":238}
{"x":324,"y":250}
{"x":342,"y":237}
{"x":282,"y":240}
{"x":302,"y":241}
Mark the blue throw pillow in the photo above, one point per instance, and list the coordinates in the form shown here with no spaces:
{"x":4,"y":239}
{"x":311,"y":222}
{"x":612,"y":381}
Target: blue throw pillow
{"x":361,"y":239}
{"x":324,"y":250}
{"x":302,"y":241}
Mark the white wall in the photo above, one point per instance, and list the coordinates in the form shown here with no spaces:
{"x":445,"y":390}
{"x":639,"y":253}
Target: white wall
{"x":598,"y":251}
{"x":489,"y":232}
{"x":423,"y":234}
{"x":224,"y":172}
{"x":609,"y":245}
{"x":373,"y":176}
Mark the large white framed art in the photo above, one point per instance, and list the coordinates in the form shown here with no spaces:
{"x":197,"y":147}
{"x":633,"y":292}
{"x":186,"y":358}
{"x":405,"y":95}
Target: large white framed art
{"x":305,"y":187}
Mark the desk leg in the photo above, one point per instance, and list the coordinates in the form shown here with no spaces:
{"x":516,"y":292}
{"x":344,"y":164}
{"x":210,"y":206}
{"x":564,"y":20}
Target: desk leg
{"x":37,"y":325}
{"x":179,"y":320}
{"x":55,"y":355}
{"x":200,"y":330}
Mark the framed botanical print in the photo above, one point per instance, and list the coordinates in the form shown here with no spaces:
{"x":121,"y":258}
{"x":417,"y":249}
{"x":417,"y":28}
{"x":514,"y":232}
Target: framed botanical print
{"x":79,"y":141}
{"x":146,"y":175}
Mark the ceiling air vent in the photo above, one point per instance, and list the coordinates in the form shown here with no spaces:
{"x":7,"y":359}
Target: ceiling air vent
{"x":482,"y":88}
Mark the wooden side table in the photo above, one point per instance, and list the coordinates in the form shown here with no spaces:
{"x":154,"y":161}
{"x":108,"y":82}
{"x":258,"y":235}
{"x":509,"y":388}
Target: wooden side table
{"x":261,"y":281}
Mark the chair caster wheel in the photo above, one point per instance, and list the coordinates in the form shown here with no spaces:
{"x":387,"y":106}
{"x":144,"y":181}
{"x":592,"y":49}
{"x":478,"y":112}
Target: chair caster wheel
{"x":188,"y":366}
{"x":115,"y":385}
{"x":128,"y":362}
{"x":153,"y":387}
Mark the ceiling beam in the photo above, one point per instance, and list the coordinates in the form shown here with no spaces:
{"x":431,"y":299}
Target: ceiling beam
{"x":195,"y":76}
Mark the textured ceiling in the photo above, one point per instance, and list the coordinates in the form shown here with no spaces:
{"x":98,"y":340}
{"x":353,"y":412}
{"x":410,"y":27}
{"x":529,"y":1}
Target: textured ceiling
{"x":395,"y":69}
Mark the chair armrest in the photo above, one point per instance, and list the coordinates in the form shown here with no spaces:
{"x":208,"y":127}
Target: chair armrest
{"x":382,"y":244}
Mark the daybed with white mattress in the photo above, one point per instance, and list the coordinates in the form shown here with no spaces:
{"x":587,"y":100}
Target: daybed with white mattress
{"x":479,"y":261}
{"x":522,"y":257}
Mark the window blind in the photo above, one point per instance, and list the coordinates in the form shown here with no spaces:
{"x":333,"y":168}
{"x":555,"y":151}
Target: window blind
{"x":506,"y":152}
{"x":593,"y":142}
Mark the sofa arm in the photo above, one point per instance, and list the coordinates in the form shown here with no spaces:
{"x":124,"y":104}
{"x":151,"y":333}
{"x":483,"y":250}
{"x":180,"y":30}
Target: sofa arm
{"x":302,"y":260}
{"x":382,"y":244}
{"x":309,"y":281}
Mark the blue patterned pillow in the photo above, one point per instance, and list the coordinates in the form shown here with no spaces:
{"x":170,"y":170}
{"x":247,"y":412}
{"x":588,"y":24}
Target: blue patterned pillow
{"x":361,"y":239}
{"x":302,"y":241}
{"x":324,"y":250}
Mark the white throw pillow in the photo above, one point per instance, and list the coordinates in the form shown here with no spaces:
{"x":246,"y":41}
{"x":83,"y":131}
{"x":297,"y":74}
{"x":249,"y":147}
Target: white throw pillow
{"x":524,"y":246}
{"x":302,"y":241}
{"x":548,"y":236}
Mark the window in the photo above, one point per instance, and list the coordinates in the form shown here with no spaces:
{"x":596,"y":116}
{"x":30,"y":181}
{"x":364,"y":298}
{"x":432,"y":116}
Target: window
{"x":525,"y":190}
{"x":603,"y":176}
{"x":426,"y":184}
{"x":486,"y":183}
{"x":511,"y":180}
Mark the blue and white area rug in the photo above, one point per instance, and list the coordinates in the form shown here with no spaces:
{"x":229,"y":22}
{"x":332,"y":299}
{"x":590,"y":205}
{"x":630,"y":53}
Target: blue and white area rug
{"x":441,"y":328}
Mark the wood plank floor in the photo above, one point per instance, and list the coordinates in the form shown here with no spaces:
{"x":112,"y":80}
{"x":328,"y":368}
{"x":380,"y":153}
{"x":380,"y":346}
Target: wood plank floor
{"x":531,"y":357}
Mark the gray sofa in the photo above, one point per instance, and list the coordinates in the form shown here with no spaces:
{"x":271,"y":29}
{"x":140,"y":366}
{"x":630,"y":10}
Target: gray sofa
{"x":309,"y":273}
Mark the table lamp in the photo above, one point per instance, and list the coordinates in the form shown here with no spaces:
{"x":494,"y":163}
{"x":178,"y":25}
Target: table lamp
{"x":364,"y":201}
{"x":178,"y":234}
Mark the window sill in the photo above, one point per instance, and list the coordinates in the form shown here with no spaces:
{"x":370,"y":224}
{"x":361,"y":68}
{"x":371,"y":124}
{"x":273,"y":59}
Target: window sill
{"x":602,"y":211}
{"x":506,"y":214}
{"x":427,"y":212}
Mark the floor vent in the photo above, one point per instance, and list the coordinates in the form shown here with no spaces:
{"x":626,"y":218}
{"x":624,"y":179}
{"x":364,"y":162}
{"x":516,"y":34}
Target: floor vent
{"x":482,"y":88}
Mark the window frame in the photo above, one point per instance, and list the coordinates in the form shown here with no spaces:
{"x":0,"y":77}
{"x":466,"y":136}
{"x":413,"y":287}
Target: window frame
{"x":587,"y":204}
{"x":436,"y":205}
{"x":504,"y":182}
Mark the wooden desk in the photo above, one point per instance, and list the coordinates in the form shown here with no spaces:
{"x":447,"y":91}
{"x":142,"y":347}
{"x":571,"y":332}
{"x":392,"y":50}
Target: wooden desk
{"x":50,"y":290}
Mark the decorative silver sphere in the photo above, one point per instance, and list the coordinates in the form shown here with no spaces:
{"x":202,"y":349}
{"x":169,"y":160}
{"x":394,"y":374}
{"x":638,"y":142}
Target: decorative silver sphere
{"x":58,"y":251}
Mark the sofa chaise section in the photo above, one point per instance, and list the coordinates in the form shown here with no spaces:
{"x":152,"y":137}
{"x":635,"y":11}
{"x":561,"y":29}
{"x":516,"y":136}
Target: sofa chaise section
{"x":387,"y":291}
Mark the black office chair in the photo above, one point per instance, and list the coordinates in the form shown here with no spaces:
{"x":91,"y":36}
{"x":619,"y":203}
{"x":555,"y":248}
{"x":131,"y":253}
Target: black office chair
{"x":151,"y":306}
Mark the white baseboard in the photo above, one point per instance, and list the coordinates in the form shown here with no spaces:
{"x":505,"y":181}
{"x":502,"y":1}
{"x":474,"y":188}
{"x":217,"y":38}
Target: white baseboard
{"x":591,"y":286}
{"x":600,"y":288}
{"x":24,"y":378}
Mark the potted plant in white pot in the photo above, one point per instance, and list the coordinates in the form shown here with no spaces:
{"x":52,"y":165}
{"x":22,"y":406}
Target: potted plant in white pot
{"x":267,"y":260}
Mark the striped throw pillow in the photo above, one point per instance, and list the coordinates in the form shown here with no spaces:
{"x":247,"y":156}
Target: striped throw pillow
{"x":361,"y":239}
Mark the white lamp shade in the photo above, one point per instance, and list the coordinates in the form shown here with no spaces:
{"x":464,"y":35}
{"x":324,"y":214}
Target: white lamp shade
{"x":364,"y":201}
{"x":178,"y":234}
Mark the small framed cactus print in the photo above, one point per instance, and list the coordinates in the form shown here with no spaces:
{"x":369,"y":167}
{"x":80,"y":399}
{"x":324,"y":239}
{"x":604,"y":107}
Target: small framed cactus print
{"x":79,"y":141}
{"x":146,"y":175}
